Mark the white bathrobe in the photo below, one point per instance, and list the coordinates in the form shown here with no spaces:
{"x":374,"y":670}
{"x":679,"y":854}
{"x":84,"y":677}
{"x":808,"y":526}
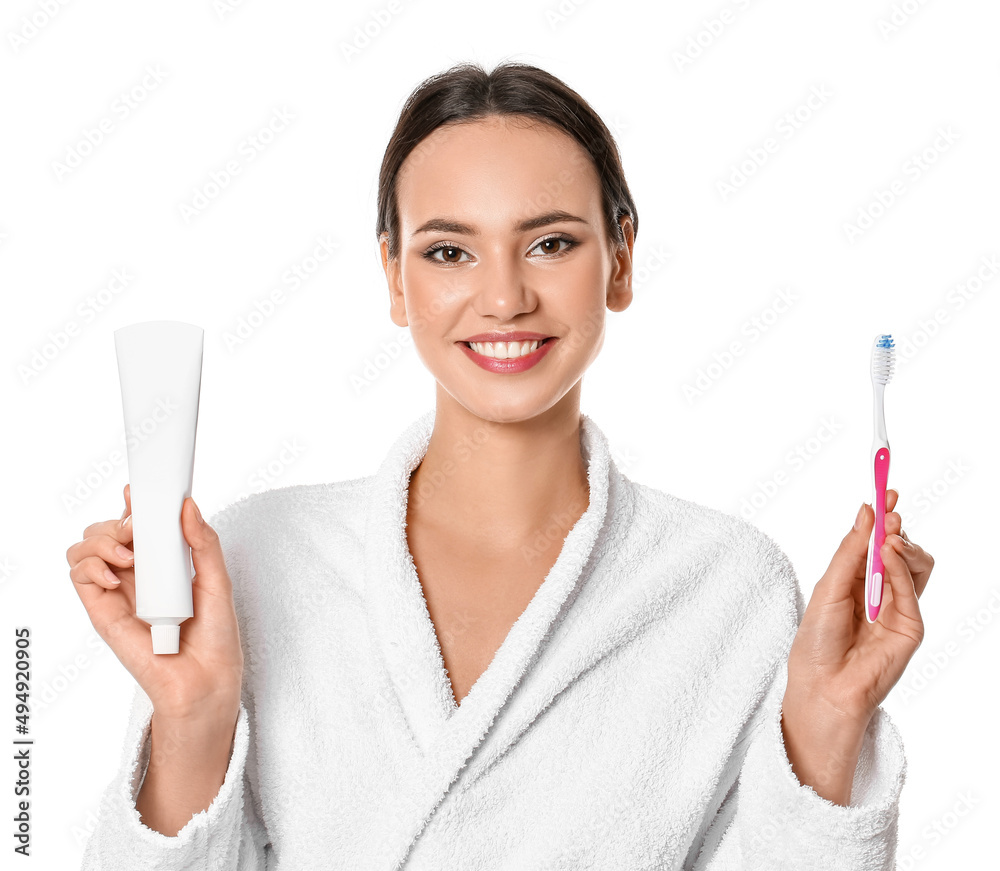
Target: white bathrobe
{"x":630,"y":720}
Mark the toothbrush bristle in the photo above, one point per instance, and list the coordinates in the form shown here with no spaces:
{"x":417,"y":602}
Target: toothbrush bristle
{"x":883,"y":358}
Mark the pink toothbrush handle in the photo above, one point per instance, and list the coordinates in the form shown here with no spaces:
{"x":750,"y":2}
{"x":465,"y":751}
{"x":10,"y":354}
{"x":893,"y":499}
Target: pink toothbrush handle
{"x":876,"y":573}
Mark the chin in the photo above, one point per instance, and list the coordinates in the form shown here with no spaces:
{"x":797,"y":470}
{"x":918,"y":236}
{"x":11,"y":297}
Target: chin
{"x":512,"y":409}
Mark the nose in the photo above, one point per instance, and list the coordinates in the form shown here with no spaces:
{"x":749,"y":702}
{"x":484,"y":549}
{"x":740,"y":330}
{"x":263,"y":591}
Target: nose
{"x":502,"y":288}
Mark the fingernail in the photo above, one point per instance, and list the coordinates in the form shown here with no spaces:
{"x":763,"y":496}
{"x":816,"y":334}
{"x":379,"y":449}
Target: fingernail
{"x":125,"y":521}
{"x":124,"y":552}
{"x":111,"y":576}
{"x":197,"y":513}
{"x":860,"y":517}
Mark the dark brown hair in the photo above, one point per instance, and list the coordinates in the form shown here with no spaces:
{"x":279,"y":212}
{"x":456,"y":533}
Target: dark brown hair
{"x":466,"y":92}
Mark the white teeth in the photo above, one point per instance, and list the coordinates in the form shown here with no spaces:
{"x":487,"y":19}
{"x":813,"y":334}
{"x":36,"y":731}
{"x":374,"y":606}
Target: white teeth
{"x":505,"y":350}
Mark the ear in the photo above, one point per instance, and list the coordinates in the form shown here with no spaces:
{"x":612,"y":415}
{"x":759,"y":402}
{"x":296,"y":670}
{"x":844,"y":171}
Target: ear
{"x":620,"y":284}
{"x":394,"y":279}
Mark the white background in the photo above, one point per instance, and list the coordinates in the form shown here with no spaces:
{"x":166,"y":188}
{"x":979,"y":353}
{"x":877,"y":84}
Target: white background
{"x":708,"y":262}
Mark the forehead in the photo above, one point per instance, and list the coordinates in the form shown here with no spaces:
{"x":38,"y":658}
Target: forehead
{"x":495,"y":166}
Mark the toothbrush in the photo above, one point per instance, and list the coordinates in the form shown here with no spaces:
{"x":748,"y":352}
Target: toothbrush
{"x":883,"y":359}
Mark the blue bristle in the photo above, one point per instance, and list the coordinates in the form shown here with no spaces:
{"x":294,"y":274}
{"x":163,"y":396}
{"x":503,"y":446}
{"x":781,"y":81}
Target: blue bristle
{"x":883,"y":359}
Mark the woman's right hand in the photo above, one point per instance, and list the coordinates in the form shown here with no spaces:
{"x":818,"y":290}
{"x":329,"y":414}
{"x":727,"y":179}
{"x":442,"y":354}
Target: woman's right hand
{"x":203,"y":681}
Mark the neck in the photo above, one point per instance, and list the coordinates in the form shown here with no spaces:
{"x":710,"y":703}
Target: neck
{"x":502,"y":484}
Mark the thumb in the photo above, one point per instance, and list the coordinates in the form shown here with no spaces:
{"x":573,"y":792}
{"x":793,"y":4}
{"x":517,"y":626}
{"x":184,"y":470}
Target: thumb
{"x":848,"y":563}
{"x":206,"y":551}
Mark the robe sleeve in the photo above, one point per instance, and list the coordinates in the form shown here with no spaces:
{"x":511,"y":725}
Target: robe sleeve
{"x":770,"y":821}
{"x":227,"y":836}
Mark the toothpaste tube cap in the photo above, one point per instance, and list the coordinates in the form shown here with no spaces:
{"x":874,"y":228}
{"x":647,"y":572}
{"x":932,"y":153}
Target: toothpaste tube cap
{"x":166,"y":639}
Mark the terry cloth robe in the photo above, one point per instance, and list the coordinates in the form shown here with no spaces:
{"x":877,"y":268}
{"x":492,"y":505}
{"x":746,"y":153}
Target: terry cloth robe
{"x":630,"y":719}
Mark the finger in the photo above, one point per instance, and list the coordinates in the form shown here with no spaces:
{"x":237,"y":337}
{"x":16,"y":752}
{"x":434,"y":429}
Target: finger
{"x":120,"y":531}
{"x":106,"y":546}
{"x":849,"y":561}
{"x":891,"y":498}
{"x":112,"y":551}
{"x":90,"y":577}
{"x":111,"y":607}
{"x":918,"y":561}
{"x":124,"y":532}
{"x":893,"y":523}
{"x":206,"y":552}
{"x":95,"y":572}
{"x":904,"y":613}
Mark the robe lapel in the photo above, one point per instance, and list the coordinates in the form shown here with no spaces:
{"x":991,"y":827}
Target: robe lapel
{"x":446,"y":736}
{"x":406,"y":635}
{"x":581,"y":640}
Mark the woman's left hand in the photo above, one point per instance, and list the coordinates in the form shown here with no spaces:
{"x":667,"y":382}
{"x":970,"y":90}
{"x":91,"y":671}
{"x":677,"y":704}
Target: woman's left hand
{"x":841,"y":663}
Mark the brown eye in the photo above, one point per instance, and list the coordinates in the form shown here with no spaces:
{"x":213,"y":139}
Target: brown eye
{"x":551,"y":245}
{"x":451,"y":254}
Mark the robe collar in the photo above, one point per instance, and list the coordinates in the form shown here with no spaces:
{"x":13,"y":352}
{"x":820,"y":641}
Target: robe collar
{"x":407,"y":637}
{"x":444,"y":735}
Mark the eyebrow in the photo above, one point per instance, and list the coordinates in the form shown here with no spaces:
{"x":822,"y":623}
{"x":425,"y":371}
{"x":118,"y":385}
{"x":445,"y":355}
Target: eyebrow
{"x":448,"y":225}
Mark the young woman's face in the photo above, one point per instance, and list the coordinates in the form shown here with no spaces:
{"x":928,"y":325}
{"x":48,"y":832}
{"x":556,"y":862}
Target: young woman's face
{"x":502,"y":230}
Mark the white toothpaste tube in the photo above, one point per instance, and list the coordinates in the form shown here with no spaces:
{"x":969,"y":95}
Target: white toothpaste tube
{"x":159,"y":366}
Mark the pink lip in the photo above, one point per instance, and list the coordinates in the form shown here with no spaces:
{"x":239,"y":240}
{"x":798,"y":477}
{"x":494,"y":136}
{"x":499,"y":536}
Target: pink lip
{"x":510,"y":366}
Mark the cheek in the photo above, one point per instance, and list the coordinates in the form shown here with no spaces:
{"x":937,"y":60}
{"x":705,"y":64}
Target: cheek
{"x":579,"y":296}
{"x":432,"y":298}
{"x":587,"y":271}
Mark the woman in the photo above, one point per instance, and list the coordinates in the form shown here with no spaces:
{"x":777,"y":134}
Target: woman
{"x":498,"y":651}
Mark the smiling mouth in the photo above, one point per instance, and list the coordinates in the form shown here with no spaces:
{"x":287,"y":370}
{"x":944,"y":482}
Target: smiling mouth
{"x":507,"y":350}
